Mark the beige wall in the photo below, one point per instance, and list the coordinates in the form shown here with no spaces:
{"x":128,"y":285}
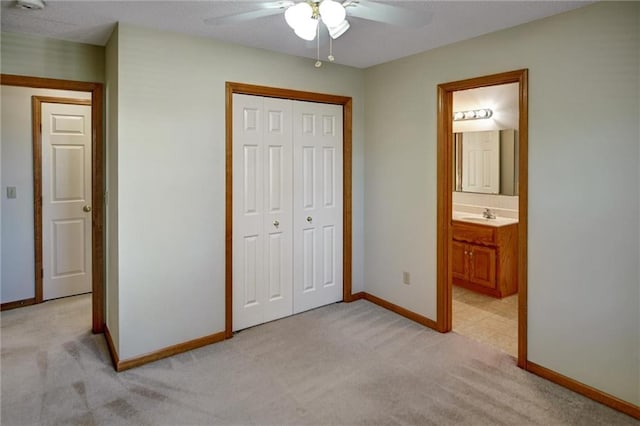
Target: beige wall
{"x":170,"y":169}
{"x":583,"y":184}
{"x":44,"y":57}
{"x":111,"y":179}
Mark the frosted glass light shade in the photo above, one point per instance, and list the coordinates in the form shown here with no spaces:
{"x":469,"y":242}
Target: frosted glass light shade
{"x":307,"y":29}
{"x":304,"y":18}
{"x":297,"y":14}
{"x":332,"y":13}
{"x":339,"y":29}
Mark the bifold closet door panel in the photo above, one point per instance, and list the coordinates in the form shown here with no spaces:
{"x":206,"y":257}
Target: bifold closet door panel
{"x":317,"y":198}
{"x":262,"y":210}
{"x":278,"y":211}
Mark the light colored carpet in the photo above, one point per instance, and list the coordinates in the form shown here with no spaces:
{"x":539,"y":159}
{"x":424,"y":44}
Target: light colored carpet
{"x":342,"y":364}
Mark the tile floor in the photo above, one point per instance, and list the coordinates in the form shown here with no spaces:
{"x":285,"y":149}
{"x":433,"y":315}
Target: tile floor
{"x":487,"y":319}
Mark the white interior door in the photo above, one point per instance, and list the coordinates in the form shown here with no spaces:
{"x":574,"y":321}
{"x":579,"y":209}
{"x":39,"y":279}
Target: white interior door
{"x":481,"y":162}
{"x":66,"y":199}
{"x":317,"y":189}
{"x":262,"y":210}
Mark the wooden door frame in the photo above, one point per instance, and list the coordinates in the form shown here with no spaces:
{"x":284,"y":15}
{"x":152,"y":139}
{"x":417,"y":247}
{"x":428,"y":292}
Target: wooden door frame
{"x":272,"y":92}
{"x":97,"y":179}
{"x":445,"y":207}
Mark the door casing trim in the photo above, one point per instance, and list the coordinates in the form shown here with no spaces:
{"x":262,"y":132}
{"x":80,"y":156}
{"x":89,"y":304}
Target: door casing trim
{"x":272,"y":92}
{"x":97,"y":179}
{"x":445,"y":165}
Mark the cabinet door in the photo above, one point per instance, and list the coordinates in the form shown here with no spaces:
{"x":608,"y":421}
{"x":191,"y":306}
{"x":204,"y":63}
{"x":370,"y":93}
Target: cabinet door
{"x":459,"y":260}
{"x":482,"y":266}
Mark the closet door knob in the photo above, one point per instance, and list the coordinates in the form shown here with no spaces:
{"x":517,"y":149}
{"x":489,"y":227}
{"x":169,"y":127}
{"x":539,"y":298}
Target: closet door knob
{"x":276,"y":223}
{"x":309,"y":219}
{"x":87,"y":208}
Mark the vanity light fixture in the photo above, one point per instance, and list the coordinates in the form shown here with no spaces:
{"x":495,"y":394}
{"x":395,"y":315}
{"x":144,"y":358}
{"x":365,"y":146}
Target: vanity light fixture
{"x":472,"y":114}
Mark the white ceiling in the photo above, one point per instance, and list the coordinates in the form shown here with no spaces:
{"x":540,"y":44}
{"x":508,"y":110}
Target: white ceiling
{"x":367,"y":43}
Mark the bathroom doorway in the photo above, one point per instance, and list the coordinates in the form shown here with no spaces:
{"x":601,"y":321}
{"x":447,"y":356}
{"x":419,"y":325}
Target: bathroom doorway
{"x":482,"y":210}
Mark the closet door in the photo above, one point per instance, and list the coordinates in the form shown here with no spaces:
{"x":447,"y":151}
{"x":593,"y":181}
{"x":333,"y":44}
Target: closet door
{"x":317,"y":195}
{"x":262,"y":216}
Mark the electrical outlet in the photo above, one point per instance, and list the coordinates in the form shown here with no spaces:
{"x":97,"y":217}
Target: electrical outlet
{"x":11,"y":192}
{"x":406,"y":278}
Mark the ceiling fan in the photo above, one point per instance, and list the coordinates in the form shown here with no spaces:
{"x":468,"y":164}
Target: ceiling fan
{"x":304,"y":17}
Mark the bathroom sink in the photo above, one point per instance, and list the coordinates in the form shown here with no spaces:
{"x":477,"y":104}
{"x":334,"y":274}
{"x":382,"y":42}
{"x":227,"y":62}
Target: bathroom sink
{"x":498,"y":221}
{"x":477,"y":219}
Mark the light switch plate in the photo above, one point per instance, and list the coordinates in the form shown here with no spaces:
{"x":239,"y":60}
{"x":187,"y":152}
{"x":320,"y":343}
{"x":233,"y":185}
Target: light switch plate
{"x":11,"y":192}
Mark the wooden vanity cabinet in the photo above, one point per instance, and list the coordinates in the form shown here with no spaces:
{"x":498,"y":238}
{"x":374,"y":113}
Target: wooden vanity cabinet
{"x":485,"y":258}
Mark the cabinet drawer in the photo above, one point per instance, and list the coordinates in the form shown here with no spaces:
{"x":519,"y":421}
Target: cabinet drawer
{"x":474,"y":233}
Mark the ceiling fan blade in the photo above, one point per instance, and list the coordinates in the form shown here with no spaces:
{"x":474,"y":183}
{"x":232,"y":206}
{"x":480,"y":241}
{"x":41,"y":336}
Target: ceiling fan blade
{"x":262,"y":10}
{"x":386,"y":13}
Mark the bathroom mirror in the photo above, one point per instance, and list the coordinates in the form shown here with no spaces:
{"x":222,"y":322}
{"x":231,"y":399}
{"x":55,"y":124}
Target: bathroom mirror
{"x":486,"y":162}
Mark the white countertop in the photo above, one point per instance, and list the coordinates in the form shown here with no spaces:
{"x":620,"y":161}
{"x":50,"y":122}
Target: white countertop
{"x":477,"y":218}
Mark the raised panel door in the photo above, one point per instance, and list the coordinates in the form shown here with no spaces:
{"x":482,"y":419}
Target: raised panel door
{"x":262,"y":227}
{"x":481,"y":162}
{"x":66,"y":199}
{"x":278,"y":216}
{"x":459,"y":260}
{"x":317,"y":189}
{"x":287,"y":208}
{"x":482,"y":266}
{"x":248,"y":208}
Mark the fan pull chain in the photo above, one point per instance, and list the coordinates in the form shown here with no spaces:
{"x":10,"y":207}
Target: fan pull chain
{"x":318,"y":63}
{"x":330,"y":57}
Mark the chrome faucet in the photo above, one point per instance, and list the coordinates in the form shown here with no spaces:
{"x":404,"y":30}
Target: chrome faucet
{"x":488,"y":214}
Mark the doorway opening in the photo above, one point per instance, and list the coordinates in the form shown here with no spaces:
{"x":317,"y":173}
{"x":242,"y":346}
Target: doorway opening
{"x":294,"y":95}
{"x":482,"y":210}
{"x":95,"y":207}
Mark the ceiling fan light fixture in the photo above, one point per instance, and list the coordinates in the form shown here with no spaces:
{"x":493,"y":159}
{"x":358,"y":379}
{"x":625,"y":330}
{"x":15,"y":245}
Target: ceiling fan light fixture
{"x":332,"y":13}
{"x":297,"y":14}
{"x":307,"y":28}
{"x":339,"y":29}
{"x":304,"y":18}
